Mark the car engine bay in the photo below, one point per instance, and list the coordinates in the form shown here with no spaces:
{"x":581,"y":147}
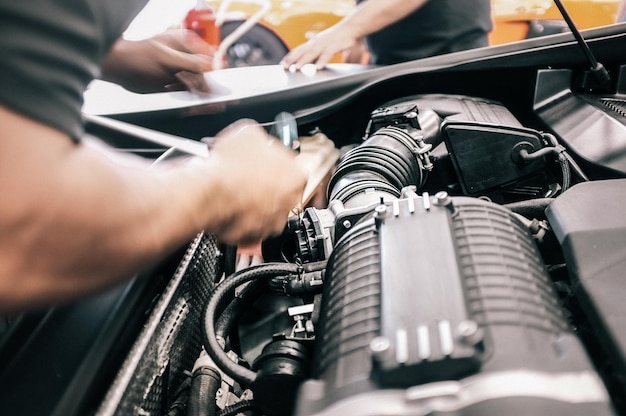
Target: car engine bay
{"x":458,"y":266}
{"x":417,"y":296}
{"x":466,"y":258}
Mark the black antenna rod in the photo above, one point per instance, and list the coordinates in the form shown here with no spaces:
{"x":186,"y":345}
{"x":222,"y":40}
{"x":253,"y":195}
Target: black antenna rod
{"x":599,"y":72}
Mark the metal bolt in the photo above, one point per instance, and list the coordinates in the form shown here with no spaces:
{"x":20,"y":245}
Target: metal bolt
{"x":469,"y":332}
{"x":380,"y":344}
{"x":381,"y":349}
{"x":346,"y":224}
{"x":442,"y":198}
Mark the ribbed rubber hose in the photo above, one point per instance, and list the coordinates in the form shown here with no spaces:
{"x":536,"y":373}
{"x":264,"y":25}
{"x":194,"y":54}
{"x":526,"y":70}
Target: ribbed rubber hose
{"x":388,"y":160}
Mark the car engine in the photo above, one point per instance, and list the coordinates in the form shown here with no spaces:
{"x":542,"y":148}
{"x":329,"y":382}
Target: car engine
{"x":451,"y":261}
{"x":463,"y":255}
{"x":434,"y":281}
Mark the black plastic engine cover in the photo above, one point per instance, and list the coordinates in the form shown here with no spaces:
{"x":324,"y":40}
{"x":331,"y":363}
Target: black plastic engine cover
{"x":445,"y":300}
{"x":590,"y":222}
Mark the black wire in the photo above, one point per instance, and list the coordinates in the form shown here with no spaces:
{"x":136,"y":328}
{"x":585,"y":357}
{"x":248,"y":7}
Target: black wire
{"x":237,"y":408}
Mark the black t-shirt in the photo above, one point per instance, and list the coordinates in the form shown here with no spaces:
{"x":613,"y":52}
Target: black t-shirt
{"x":51,"y":49}
{"x":438,"y":27}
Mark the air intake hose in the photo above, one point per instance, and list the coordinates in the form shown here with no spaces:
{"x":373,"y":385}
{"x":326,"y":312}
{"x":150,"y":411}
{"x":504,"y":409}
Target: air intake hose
{"x":389,"y":160}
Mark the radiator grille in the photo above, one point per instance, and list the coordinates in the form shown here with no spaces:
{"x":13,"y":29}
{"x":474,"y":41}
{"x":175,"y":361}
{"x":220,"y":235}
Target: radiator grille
{"x":171,"y":340}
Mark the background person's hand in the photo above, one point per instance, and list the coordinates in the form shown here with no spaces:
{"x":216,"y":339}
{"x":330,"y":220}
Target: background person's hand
{"x":321,"y":48}
{"x":172,"y":60}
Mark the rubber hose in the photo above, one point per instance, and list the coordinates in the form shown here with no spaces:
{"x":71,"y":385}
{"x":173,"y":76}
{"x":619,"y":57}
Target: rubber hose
{"x":205,"y":382}
{"x":356,"y":183}
{"x":388,"y":154}
{"x":533,"y":208}
{"x":234,"y":309}
{"x":262,"y":271}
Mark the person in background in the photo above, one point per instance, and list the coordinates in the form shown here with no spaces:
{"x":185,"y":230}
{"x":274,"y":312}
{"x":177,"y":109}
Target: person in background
{"x":75,"y":217}
{"x":400,"y":30}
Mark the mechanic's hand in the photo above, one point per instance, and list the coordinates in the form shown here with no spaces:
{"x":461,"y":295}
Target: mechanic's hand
{"x":259,"y":183}
{"x":172,"y":60}
{"x":321,"y":48}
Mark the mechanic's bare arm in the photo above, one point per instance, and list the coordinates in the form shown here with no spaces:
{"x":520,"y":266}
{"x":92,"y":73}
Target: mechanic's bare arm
{"x":73,"y":221}
{"x":369,"y":17}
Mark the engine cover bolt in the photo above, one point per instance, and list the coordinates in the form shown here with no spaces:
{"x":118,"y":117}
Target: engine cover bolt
{"x":381,"y":349}
{"x":346,"y":224}
{"x":469,"y":332}
{"x":442,"y":199}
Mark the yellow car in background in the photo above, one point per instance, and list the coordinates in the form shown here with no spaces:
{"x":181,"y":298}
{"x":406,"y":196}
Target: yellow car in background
{"x":285,"y":25}
{"x":288,"y":23}
{"x":522,"y":19}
